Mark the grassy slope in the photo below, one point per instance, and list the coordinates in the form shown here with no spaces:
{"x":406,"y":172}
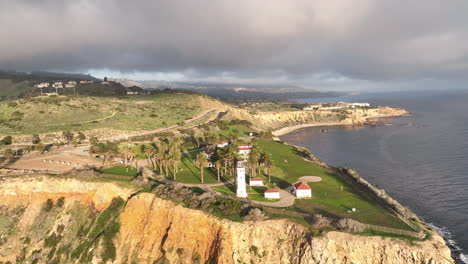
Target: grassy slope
{"x":10,"y":89}
{"x":190,"y":173}
{"x":43,"y":115}
{"x":328,"y":199}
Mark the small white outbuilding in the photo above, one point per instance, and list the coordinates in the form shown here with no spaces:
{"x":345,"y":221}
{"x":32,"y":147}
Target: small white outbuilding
{"x":272,"y":194}
{"x":256,"y":182}
{"x":302,"y":190}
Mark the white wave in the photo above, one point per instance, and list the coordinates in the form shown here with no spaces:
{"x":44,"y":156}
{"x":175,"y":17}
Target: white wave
{"x":464,"y":258}
{"x":445,"y":232}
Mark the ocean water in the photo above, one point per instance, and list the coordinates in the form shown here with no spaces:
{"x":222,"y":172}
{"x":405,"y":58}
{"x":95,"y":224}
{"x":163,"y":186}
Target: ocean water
{"x":421,"y":160}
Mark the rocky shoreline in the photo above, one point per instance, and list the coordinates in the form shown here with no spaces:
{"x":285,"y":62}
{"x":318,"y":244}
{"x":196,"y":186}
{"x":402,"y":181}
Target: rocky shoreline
{"x":346,"y":122}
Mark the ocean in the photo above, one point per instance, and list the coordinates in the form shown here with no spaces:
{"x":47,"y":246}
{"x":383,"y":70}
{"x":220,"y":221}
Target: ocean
{"x":421,"y":160}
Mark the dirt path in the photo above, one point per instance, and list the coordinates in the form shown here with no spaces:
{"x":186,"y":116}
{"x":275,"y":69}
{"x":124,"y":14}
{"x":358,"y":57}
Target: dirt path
{"x":159,"y":130}
{"x":286,"y":200}
{"x":87,"y":121}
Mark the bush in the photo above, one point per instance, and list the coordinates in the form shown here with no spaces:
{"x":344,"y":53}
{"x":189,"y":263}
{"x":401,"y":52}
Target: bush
{"x":35,"y":139}
{"x":8,"y":140}
{"x":12,"y":104}
{"x":49,"y":204}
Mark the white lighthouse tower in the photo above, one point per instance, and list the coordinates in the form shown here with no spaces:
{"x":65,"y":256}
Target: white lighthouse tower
{"x":241,"y":189}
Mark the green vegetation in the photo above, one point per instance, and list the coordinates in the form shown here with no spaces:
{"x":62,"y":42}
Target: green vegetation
{"x":136,"y":113}
{"x":255,"y":193}
{"x":189,"y":172}
{"x":121,"y":170}
{"x":332,"y":197}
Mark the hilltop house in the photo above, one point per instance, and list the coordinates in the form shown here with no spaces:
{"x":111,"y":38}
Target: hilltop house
{"x":256,"y":182}
{"x":70,"y":84}
{"x":302,"y":190}
{"x":57,"y":85}
{"x":272,"y":194}
{"x":42,"y":85}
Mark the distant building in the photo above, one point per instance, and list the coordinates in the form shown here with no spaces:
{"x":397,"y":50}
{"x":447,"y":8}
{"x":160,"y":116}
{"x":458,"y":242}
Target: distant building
{"x":244,"y":149}
{"x":86,"y":81}
{"x":208,"y":153}
{"x":272,"y":194}
{"x":132,"y":93}
{"x":222,"y":144}
{"x":57,"y":85}
{"x":302,"y":190}
{"x":69,"y":85}
{"x":256,"y":182}
{"x":72,"y":82}
{"x":42,"y":85}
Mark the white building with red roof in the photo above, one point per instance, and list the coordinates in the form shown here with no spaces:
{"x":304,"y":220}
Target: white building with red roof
{"x":256,"y":182}
{"x":244,"y":149}
{"x":208,"y":153}
{"x":222,"y":144}
{"x":302,"y":190}
{"x":272,"y":194}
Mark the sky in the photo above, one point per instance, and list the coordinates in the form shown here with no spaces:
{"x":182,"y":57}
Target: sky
{"x":318,"y":44}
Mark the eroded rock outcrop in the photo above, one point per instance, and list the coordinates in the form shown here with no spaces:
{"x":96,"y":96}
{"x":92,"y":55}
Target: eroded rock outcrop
{"x":69,"y":221}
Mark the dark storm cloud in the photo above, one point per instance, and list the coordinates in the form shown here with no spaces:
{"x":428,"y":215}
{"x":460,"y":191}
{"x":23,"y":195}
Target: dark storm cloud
{"x":360,"y":39}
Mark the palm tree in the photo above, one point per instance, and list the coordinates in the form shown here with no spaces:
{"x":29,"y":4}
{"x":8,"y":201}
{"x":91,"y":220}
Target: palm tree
{"x":268,"y":163}
{"x":176,"y":157}
{"x":201,"y":162}
{"x":126,"y":151}
{"x":218,"y":167}
{"x":254,"y":158}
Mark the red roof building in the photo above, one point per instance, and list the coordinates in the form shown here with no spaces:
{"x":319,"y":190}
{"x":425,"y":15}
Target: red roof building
{"x":301,"y":186}
{"x":272,"y":194}
{"x":302,"y":190}
{"x":256,"y":179}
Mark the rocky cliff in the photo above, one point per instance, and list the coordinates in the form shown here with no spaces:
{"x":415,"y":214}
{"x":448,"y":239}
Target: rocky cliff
{"x":58,"y":220}
{"x":275,"y":120}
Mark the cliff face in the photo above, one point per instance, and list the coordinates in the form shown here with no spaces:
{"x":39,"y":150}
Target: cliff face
{"x":89,"y":224}
{"x":280,"y":119}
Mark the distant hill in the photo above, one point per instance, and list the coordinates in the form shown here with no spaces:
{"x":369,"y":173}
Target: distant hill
{"x":237,"y":92}
{"x":15,"y":85}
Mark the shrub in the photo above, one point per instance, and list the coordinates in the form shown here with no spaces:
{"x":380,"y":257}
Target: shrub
{"x":8,"y":140}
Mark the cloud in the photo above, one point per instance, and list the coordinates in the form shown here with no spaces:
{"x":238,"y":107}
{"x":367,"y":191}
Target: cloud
{"x":295,"y":39}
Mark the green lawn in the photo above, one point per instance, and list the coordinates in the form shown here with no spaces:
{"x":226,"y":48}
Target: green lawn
{"x":190,"y":173}
{"x":255,"y":193}
{"x":332,"y":196}
{"x":289,"y":164}
{"x":121,"y":170}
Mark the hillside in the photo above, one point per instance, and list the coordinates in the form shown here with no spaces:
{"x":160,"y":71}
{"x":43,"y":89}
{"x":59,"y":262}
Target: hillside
{"x":59,"y":220}
{"x":131,"y":113}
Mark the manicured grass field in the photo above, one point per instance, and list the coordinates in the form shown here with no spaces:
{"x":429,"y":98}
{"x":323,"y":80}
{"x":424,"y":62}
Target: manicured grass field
{"x":255,"y":193}
{"x":121,"y":170}
{"x":289,"y":164}
{"x":332,"y":196}
{"x":190,"y":173}
{"x":49,"y":114}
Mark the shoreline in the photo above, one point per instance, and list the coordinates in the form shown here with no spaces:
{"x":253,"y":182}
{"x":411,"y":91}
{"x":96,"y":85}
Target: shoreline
{"x":457,"y":254}
{"x":286,"y":130}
